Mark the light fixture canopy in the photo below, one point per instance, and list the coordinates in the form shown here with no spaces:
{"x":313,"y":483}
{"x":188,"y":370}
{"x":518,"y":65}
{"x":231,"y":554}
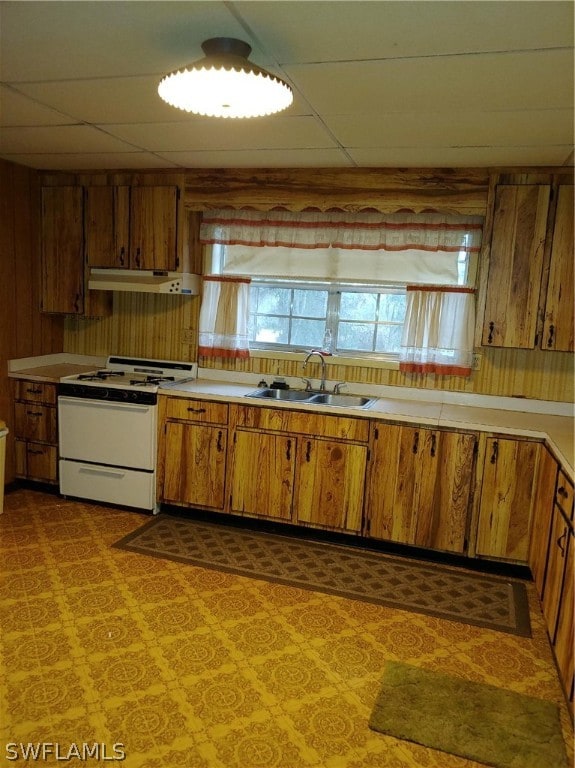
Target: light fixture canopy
{"x":225,"y":84}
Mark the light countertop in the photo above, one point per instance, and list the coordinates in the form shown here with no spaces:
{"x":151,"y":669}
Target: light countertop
{"x":449,"y":410}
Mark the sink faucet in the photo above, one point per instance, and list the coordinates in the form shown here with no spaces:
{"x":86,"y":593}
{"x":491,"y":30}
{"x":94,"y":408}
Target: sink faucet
{"x":319,"y":354}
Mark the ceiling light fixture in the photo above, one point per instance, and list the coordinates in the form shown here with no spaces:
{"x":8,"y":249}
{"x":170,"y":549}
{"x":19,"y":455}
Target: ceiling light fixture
{"x":225,"y":84}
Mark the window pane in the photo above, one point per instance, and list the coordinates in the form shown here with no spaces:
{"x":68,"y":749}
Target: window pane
{"x":357,"y":306}
{"x":272,"y":300}
{"x":389,"y":338}
{"x":309,"y":303}
{"x":357,"y":336}
{"x":274,"y":330}
{"x":307,"y":333}
{"x":392,"y":307}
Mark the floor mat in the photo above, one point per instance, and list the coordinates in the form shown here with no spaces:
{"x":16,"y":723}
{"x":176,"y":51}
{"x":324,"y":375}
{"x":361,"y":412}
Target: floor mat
{"x":442,"y":591}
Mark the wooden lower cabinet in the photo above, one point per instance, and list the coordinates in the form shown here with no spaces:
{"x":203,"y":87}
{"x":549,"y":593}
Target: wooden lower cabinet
{"x":542,"y":514}
{"x":330,"y":484}
{"x":419,"y":486}
{"x":262,"y":475}
{"x":507,"y":498}
{"x":195,"y":464}
{"x":563,"y":640}
{"x":36,"y":431}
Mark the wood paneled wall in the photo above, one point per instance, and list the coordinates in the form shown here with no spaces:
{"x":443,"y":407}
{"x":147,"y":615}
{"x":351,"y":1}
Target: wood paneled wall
{"x":159,"y":326}
{"x":24,"y":330}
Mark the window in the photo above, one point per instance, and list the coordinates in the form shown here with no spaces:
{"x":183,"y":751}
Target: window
{"x":346,"y":274}
{"x":295,"y":315}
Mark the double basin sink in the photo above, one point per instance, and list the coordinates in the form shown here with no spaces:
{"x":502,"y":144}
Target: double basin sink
{"x":313,"y":398}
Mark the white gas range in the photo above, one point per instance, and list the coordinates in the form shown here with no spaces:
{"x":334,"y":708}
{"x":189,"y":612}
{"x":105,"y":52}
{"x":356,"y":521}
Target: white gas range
{"x":107,"y":423}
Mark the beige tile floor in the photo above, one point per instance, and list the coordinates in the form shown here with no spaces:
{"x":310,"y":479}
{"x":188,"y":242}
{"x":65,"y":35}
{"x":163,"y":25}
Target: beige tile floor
{"x":190,"y":667}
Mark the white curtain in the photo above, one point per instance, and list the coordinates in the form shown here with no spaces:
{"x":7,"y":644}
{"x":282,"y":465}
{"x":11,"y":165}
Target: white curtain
{"x":224,"y":317}
{"x":365,"y":230}
{"x":438,"y":331}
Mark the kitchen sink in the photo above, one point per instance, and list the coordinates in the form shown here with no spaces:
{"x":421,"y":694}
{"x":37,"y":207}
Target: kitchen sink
{"x":281,"y":394}
{"x":313,"y":398}
{"x":342,"y":401}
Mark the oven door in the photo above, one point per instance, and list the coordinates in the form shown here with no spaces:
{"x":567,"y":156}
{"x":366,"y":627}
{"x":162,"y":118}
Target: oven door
{"x":110,"y":433}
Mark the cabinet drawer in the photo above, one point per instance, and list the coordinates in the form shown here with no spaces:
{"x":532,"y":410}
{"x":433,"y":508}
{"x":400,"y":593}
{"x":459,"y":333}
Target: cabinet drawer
{"x":36,"y":461}
{"x":36,"y":392}
{"x":196,"y":410}
{"x":303,"y":422}
{"x":36,"y":422}
{"x":564,"y":494}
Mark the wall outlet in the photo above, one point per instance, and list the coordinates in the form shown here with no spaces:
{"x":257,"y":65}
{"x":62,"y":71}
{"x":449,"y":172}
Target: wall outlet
{"x":188,"y":336}
{"x":477,"y":361}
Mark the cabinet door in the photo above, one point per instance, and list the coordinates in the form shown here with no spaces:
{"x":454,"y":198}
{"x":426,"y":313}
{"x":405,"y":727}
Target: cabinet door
{"x":507,"y":494}
{"x":107,"y":216}
{"x":195,"y":464}
{"x":563,"y":642}
{"x":515,"y":266}
{"x":542,"y":513}
{"x":62,"y":250}
{"x":445,"y":476}
{"x":330,"y":484}
{"x":262,"y":479}
{"x":559,"y":323}
{"x":392,"y":488}
{"x":153,"y":224}
{"x":559,"y":543}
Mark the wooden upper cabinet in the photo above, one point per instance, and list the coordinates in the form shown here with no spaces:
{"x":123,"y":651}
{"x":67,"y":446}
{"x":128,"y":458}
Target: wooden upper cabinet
{"x":559,"y":322}
{"x":62,"y":250}
{"x":153,"y":228}
{"x":516,"y":266}
{"x":107,"y":219}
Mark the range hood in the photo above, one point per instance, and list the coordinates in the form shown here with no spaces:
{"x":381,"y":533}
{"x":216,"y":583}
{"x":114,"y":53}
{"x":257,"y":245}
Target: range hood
{"x":143,"y":281}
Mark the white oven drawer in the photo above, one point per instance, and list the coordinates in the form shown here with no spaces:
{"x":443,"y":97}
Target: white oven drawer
{"x":126,"y":487}
{"x":103,"y":432}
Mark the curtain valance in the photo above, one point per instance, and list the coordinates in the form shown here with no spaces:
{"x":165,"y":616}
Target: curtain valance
{"x":368,"y":230}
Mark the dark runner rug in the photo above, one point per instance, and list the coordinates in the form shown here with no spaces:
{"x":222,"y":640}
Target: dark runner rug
{"x":448,"y":593}
{"x":477,"y":721}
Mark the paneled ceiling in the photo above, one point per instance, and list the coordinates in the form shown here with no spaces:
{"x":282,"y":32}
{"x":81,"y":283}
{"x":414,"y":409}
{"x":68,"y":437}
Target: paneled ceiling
{"x":377,"y":84}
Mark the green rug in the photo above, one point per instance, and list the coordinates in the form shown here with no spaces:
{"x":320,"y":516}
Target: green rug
{"x":473,"y":720}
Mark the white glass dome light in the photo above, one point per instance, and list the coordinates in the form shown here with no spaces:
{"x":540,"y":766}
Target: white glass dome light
{"x":225,"y":84}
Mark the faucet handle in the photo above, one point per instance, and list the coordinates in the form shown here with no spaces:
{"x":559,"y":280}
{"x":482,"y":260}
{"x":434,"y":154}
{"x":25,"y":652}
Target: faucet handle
{"x":307,"y":383}
{"x":338,"y":386}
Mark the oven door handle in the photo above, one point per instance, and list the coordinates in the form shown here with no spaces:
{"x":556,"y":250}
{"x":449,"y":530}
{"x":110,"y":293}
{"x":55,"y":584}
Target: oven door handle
{"x":86,"y":402}
{"x":105,"y":472}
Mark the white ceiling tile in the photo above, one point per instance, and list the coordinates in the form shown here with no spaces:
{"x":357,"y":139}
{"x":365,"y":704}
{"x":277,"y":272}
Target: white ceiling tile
{"x":536,"y":80}
{"x":18,"y":110}
{"x":343,"y":31}
{"x":211,"y":133}
{"x":454,"y":129}
{"x":458,"y":157}
{"x":72,"y":138}
{"x":260,"y":158}
{"x":94,"y":161}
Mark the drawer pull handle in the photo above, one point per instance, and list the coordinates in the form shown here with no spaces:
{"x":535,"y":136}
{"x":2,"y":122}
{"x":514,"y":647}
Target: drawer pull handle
{"x":34,"y":413}
{"x":433,"y":443}
{"x":196,"y":410}
{"x":34,"y":450}
{"x":34,"y":391}
{"x":415,"y":442}
{"x":559,"y":540}
{"x":562,"y":492}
